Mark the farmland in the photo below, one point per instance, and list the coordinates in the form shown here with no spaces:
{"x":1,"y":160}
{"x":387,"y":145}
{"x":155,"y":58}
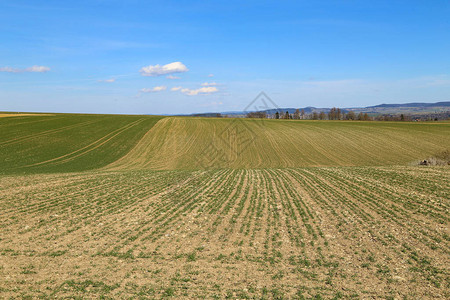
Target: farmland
{"x":183,"y":143}
{"x":131,"y":206}
{"x":68,"y":143}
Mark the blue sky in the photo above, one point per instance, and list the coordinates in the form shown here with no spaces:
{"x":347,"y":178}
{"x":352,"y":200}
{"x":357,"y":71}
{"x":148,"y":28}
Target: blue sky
{"x":163,"y":57}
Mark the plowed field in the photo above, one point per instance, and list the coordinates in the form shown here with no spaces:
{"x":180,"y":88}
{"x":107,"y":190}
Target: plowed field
{"x":136,"y":207}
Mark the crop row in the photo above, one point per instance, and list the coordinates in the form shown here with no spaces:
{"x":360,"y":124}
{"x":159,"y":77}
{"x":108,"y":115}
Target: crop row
{"x":303,"y":232}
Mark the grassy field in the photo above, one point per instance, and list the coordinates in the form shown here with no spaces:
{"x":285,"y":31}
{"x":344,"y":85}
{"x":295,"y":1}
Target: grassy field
{"x":188,"y":143}
{"x":133,"y":207}
{"x":67,"y":143}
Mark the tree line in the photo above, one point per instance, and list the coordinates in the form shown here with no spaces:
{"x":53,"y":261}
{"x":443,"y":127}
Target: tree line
{"x":333,"y":114}
{"x":339,"y":114}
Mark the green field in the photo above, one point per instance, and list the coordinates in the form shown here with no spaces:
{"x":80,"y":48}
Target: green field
{"x":103,"y":206}
{"x":68,"y":143}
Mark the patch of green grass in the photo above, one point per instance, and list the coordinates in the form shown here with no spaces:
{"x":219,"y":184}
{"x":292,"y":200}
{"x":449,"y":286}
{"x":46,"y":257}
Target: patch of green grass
{"x":68,"y":142}
{"x":83,"y":286}
{"x":192,"y":256}
{"x":169,"y":292}
{"x":55,"y":253}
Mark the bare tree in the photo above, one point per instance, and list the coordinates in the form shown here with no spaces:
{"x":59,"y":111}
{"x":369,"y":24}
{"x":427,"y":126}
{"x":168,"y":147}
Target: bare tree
{"x":257,"y":114}
{"x":350,"y":115}
{"x":366,"y":117}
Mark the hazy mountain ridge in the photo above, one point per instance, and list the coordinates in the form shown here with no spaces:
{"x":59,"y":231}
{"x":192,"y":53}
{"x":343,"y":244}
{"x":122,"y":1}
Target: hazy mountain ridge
{"x":414,"y":104}
{"x":405,"y":108}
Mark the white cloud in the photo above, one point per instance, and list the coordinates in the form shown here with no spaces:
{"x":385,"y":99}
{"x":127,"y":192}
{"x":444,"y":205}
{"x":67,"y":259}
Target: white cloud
{"x":33,"y":69}
{"x":157,"y":70}
{"x":9,"y":69}
{"x":203,"y":90}
{"x":211,"y":75}
{"x":154,"y":89}
{"x":38,"y":69}
{"x":176,"y":88}
{"x":208,"y":84}
{"x":107,"y":80}
{"x":172,"y":77}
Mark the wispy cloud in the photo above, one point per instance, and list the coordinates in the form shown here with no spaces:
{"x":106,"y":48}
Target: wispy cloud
{"x":154,"y":89}
{"x":211,"y":75}
{"x":107,"y":80}
{"x":208,"y":84}
{"x":333,"y":83}
{"x":158,"y":70}
{"x":176,"y":88}
{"x":33,"y":69}
{"x":203,"y":90}
{"x":172,"y":77}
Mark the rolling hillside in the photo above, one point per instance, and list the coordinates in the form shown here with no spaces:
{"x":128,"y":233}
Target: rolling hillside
{"x":70,"y":142}
{"x":399,"y":108}
{"x":156,"y":207}
{"x":36,"y":143}
{"x":195,"y":143}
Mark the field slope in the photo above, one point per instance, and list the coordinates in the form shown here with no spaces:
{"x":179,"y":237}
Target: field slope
{"x":70,"y":143}
{"x":144,"y":207}
{"x":196,"y":143}
{"x":36,"y":143}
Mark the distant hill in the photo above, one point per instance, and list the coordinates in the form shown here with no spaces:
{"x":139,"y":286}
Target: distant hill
{"x":308,"y":110}
{"x":405,"y":108}
{"x":414,"y":104}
